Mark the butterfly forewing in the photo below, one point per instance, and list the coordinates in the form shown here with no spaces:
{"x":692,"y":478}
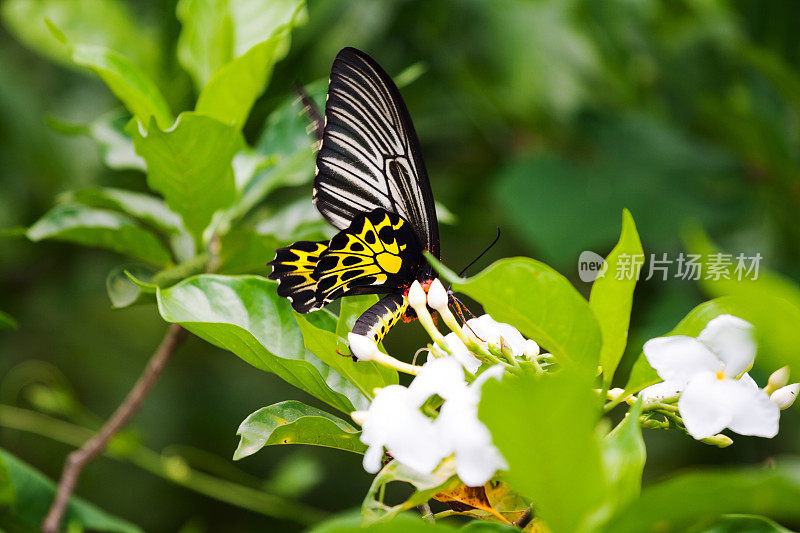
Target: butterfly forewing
{"x":370,"y":156}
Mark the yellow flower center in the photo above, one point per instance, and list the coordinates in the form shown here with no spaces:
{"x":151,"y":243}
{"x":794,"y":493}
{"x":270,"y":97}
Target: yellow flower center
{"x":720,"y":375}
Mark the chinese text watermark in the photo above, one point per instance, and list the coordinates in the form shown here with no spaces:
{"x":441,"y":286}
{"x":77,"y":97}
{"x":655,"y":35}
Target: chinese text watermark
{"x":690,"y":267}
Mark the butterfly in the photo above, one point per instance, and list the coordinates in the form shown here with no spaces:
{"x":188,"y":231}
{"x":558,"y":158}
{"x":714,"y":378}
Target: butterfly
{"x":371,"y":184}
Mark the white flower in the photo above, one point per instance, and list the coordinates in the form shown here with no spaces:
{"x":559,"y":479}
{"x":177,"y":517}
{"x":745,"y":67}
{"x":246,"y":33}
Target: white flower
{"x":460,"y":352}
{"x":704,"y":371}
{"x":492,"y":333}
{"x":476,"y":457}
{"x":394,"y":421}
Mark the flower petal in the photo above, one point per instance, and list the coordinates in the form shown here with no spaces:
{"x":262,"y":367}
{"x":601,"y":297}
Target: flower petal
{"x":753,"y":411}
{"x":705,"y":406}
{"x":679,"y":357}
{"x":476,"y":457}
{"x":732,"y":340}
{"x":493,"y":372}
{"x":513,"y":338}
{"x":395,"y":423}
{"x":443,"y":376}
{"x":462,"y":353}
{"x":659,"y":391}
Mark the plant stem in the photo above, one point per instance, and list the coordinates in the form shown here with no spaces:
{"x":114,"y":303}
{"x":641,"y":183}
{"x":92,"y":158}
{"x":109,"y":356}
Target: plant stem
{"x":78,"y":459}
{"x":170,"y":468}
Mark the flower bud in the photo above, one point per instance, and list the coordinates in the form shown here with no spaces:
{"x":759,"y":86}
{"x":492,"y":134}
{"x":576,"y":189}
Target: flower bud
{"x":437,"y":295}
{"x":363,"y":348}
{"x":359,"y":417}
{"x":505,"y":349}
{"x":777,"y":379}
{"x":416,"y":295}
{"x":531,"y":349}
{"x":719,"y":440}
{"x":785,"y":396}
{"x":614,"y":394}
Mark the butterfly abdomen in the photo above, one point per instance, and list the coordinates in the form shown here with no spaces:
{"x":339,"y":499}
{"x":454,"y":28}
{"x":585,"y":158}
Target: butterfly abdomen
{"x":376,"y":321}
{"x":293,"y":269}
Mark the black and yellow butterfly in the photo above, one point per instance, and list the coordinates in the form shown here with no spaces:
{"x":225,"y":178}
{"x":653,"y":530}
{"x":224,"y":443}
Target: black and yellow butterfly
{"x":370,"y":183}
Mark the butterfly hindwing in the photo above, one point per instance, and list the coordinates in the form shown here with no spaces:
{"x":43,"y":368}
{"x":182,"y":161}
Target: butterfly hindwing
{"x":293,"y":268}
{"x":378,"y":252}
{"x":370,"y":155}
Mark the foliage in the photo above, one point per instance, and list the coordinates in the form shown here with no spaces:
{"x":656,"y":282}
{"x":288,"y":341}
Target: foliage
{"x":583,"y":111}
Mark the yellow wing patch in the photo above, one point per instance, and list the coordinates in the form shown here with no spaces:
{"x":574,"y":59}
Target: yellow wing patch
{"x":378,"y":249}
{"x":293,"y":268}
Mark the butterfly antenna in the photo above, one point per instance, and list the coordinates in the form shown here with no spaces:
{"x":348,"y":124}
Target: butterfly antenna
{"x":481,"y":254}
{"x":310,"y":109}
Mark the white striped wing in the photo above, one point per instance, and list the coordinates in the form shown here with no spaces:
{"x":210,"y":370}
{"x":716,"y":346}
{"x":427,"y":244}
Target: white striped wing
{"x":370,"y":156}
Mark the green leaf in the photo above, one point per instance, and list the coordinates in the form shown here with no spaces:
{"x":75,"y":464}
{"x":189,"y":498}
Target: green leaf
{"x":425,"y":487}
{"x":98,"y":227}
{"x":775,"y":320}
{"x":245,"y":315}
{"x":737,"y":523}
{"x":108,"y":23}
{"x":261,"y":39}
{"x":127,"y":81}
{"x":733,"y":283}
{"x":479,"y":526}
{"x":206,"y":39}
{"x":293,"y":422}
{"x":116,"y":146}
{"x":538,"y":301}
{"x":624,"y":456}
{"x":35,"y":493}
{"x":122,"y":291}
{"x":297,"y":221}
{"x":147,"y":209}
{"x":108,"y":132}
{"x":696,"y":497}
{"x":350,"y":309}
{"x":687,"y":178}
{"x":611,"y":298}
{"x":244,"y":251}
{"x":190,"y":165}
{"x":404,"y":523}
{"x":545,"y":428}
{"x":7,"y":321}
{"x":365,"y":375}
{"x":290,"y":150}
{"x":7,"y":494}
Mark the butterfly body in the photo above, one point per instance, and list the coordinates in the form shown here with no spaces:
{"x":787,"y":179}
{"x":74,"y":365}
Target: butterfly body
{"x":371,"y":183}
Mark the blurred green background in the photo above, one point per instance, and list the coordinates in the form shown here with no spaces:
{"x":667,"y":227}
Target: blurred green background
{"x":545,"y":118}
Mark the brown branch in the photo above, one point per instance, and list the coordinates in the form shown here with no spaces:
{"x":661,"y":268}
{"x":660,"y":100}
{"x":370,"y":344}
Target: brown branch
{"x":524,"y":518}
{"x":78,"y":459}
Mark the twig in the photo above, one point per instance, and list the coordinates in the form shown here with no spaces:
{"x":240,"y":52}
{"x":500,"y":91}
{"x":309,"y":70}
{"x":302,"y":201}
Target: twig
{"x":524,"y":518}
{"x":242,"y":496}
{"x":78,"y":459}
{"x":427,"y":514}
